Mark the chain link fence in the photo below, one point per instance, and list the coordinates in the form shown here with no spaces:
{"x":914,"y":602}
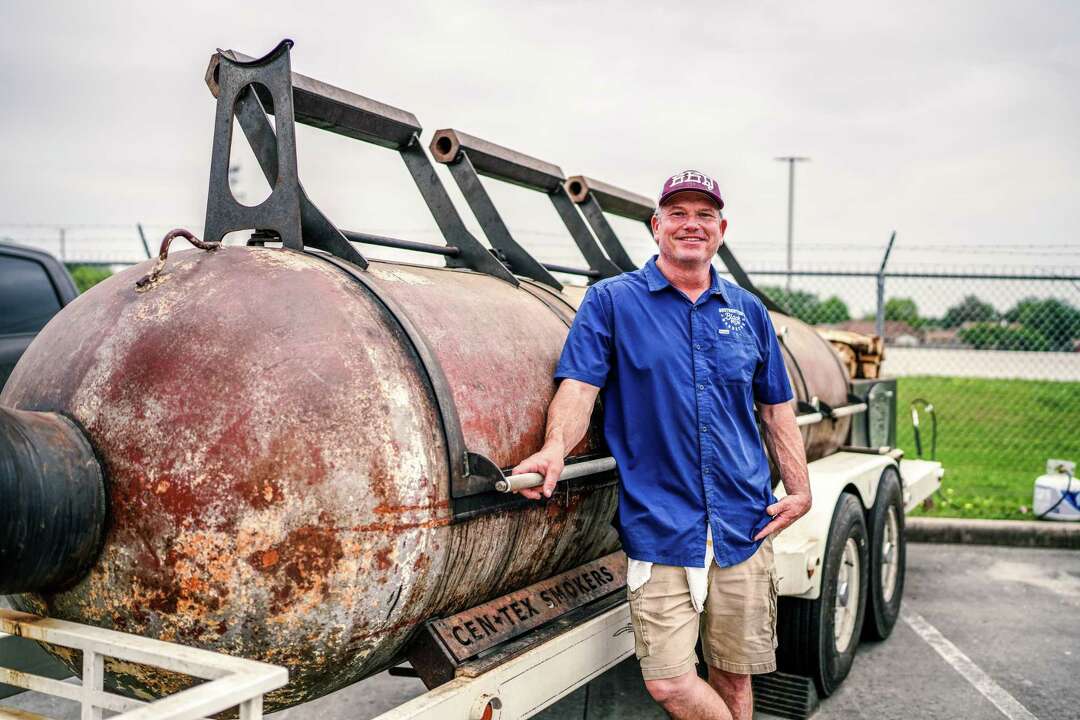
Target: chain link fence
{"x":996,"y":354}
{"x":994,"y":351}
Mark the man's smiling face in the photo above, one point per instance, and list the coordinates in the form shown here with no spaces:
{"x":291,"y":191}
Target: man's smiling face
{"x":688,"y":229}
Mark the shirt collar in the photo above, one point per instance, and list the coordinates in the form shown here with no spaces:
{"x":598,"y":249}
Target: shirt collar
{"x":657,"y":281}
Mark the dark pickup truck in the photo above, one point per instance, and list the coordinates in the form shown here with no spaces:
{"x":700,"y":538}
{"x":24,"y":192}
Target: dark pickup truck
{"x":33,"y":287}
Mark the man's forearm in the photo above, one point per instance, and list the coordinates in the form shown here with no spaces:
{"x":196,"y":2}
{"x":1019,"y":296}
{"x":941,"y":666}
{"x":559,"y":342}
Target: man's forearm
{"x":569,"y":415}
{"x":786,"y":446}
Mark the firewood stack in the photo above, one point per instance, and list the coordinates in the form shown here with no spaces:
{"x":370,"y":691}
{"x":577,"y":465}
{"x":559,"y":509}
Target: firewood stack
{"x":862,"y":355}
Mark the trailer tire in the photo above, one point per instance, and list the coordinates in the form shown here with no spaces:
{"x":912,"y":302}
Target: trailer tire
{"x":808,"y":644}
{"x":888,"y":557}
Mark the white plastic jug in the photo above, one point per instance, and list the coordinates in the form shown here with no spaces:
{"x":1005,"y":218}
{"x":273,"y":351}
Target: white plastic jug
{"x":1057,"y":493}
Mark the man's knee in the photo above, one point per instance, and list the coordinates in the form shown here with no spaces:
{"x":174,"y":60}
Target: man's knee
{"x":666,"y":690}
{"x":732,"y":682}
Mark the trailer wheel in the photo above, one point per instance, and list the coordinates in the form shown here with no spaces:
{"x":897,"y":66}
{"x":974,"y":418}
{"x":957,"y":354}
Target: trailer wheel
{"x":818,"y":638}
{"x":888,"y":557}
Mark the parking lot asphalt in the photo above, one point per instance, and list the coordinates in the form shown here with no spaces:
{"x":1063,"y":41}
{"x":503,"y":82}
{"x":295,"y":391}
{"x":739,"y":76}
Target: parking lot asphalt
{"x":986,"y":633}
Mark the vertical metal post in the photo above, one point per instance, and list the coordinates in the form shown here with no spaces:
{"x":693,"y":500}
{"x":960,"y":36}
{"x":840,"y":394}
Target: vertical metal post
{"x":252,"y":709}
{"x":879,"y":325}
{"x":93,"y":681}
{"x":791,"y":160}
{"x":63,"y":244}
{"x":790,"y":218}
{"x":145,"y":244}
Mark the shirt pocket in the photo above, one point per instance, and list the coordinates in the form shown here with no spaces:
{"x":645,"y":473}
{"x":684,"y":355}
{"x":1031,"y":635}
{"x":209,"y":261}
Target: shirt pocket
{"x":735,"y":357}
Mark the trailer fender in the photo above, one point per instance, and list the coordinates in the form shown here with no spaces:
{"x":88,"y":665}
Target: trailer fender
{"x":800,"y":548}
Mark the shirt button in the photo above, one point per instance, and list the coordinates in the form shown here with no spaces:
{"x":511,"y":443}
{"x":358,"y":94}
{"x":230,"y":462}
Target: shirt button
{"x":704,"y":428}
{"x":700,"y":387}
{"x":697,"y":346}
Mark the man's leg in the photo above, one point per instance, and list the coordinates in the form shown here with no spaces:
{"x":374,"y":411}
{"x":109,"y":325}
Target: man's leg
{"x":688,"y":697}
{"x":734,"y":689}
{"x":738,"y":633}
{"x":666,"y":629}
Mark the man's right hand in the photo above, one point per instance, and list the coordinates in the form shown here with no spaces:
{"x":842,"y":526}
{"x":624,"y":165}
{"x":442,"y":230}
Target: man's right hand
{"x":549,"y":462}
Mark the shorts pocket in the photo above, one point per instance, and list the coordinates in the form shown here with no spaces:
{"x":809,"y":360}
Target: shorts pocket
{"x":641,"y":635}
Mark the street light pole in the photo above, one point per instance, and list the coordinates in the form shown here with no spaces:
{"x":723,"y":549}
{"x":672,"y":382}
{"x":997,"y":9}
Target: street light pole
{"x":791,"y":160}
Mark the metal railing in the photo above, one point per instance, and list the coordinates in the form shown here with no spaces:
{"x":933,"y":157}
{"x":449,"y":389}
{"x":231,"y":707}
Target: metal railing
{"x":233,"y":682}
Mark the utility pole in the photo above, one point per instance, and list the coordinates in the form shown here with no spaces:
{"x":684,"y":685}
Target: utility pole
{"x":790,"y":160}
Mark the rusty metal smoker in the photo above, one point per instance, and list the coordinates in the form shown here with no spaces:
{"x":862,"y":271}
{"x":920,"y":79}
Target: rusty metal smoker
{"x":290,"y":453}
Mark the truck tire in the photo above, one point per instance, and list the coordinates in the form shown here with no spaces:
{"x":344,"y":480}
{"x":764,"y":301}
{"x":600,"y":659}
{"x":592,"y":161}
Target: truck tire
{"x":888,"y":557}
{"x":818,"y":638}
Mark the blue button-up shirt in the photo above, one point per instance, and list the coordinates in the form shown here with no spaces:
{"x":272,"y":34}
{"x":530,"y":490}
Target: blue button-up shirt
{"x":679,"y":381}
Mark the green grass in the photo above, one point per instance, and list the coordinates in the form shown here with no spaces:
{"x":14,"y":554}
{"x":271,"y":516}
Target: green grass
{"x":994,"y":437}
{"x":87,"y":276}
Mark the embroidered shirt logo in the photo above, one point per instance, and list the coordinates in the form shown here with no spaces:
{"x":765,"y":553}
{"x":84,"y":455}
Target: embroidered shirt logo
{"x":731,"y":320}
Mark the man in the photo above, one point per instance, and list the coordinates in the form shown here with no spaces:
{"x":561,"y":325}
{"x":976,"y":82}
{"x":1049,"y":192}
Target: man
{"x":681,"y":357}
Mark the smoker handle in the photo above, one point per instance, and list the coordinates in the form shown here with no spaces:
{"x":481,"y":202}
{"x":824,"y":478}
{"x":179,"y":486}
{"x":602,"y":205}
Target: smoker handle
{"x":495,"y":161}
{"x":330,"y":108}
{"x":513,"y":483}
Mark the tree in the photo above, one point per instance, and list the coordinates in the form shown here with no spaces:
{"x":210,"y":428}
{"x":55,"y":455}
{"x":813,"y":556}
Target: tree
{"x":807,"y":307}
{"x":1056,"y":320}
{"x":991,"y":336}
{"x":902,"y":309}
{"x":832,"y":310}
{"x":970,"y":309}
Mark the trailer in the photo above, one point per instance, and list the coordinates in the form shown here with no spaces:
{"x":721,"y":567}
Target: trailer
{"x":841,"y":567}
{"x":547,"y":629}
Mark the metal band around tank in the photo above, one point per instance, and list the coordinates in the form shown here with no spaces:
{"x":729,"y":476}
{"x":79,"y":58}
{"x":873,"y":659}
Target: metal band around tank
{"x":429,"y":366}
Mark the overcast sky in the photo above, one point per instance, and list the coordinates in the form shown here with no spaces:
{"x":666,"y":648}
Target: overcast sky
{"x":954,"y":123}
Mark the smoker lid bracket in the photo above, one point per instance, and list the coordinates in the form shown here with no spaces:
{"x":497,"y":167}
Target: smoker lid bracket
{"x":251,"y":89}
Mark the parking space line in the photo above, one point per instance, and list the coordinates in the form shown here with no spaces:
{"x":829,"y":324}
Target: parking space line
{"x":1009,"y":706}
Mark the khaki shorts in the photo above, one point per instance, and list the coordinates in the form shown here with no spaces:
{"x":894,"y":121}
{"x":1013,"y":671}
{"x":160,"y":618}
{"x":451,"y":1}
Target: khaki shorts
{"x":737,"y":628}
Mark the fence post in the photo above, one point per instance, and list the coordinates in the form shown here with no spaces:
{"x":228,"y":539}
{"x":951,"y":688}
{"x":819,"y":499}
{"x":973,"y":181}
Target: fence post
{"x":879,"y":326}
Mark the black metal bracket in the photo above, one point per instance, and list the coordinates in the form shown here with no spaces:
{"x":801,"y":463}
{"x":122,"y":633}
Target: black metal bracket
{"x":469,"y":157}
{"x":280,"y":212}
{"x":292,"y":98}
{"x":495,"y":229}
{"x":587,"y":193}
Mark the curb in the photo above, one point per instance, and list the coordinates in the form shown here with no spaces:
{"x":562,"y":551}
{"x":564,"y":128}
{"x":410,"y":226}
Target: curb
{"x":1017,"y":533}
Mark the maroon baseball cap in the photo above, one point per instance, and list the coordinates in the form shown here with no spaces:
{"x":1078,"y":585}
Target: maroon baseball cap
{"x":691,"y":181}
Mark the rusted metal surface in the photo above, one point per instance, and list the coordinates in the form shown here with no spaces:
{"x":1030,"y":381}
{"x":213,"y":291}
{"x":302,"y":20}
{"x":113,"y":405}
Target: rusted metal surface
{"x":469,"y":633}
{"x":496,"y":161}
{"x":815,"y":371}
{"x":278,"y":479}
{"x":574,"y":294}
{"x":610,"y":198}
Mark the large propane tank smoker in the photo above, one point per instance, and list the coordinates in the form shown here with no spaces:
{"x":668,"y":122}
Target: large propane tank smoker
{"x":287,"y":456}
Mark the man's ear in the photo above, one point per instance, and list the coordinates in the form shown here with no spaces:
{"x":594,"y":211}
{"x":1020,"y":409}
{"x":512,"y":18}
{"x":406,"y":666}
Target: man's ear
{"x":723,"y":227}
{"x":654,"y":221}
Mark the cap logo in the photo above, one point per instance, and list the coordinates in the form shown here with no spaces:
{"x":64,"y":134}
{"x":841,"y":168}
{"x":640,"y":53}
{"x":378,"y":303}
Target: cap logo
{"x":691,"y":176}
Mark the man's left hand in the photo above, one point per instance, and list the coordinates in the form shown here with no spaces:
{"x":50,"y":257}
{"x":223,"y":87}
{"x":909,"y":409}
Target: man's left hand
{"x":784,"y":512}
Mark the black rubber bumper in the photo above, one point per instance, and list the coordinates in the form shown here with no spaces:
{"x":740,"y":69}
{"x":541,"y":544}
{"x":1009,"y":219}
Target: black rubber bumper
{"x":52,"y":502}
